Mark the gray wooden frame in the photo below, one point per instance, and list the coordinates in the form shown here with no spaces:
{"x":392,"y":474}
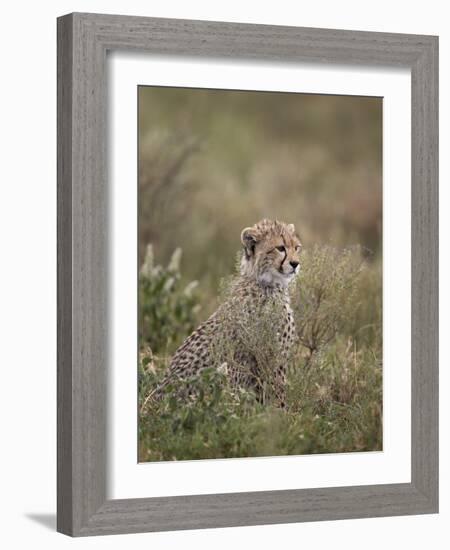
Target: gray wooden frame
{"x":83,"y":41}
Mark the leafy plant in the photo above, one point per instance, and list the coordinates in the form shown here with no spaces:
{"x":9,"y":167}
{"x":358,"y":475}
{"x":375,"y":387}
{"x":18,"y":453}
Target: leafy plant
{"x":168,"y":309}
{"x":210,"y":425}
{"x":324,"y":295}
{"x":334,"y":384}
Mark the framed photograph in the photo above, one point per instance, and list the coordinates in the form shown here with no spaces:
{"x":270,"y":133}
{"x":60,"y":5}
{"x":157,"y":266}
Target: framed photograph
{"x":247,"y":274}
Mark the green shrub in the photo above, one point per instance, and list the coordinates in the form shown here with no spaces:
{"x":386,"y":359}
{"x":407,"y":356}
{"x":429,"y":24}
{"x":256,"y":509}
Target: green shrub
{"x":334,"y":384}
{"x":323,"y":297}
{"x":167,"y":308}
{"x":338,"y":394}
{"x":211,"y":425}
{"x":335,"y":406}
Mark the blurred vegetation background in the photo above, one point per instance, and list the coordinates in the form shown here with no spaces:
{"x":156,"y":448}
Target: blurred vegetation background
{"x":212,"y":162}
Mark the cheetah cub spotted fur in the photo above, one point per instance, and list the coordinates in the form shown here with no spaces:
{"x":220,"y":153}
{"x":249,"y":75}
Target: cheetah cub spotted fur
{"x":269,"y":263}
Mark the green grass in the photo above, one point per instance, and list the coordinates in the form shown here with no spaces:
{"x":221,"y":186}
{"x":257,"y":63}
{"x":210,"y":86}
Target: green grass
{"x":334,"y":386}
{"x":212,"y":162}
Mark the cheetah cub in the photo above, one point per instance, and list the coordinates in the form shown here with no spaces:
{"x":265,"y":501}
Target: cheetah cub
{"x":253,"y":330}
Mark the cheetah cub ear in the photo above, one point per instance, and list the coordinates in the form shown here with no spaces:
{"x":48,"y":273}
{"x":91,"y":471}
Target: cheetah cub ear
{"x":248,"y":239}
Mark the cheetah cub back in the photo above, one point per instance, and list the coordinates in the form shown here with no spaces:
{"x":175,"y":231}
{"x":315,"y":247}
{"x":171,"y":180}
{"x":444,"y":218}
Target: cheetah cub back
{"x":252,"y":332}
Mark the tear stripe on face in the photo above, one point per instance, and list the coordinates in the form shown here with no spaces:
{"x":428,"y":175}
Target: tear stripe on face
{"x":281,"y":265}
{"x":285,"y":255}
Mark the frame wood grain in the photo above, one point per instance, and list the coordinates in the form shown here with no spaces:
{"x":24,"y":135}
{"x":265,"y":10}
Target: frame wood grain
{"x":83,"y":41}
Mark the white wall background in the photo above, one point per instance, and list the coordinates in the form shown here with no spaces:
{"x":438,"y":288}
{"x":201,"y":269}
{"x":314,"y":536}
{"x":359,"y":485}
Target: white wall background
{"x":28,"y":271}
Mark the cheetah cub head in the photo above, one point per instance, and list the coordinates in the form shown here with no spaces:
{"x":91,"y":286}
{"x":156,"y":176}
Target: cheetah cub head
{"x":271,"y":252}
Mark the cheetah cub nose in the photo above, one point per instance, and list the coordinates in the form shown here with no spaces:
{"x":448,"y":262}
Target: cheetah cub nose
{"x":294,"y":264}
